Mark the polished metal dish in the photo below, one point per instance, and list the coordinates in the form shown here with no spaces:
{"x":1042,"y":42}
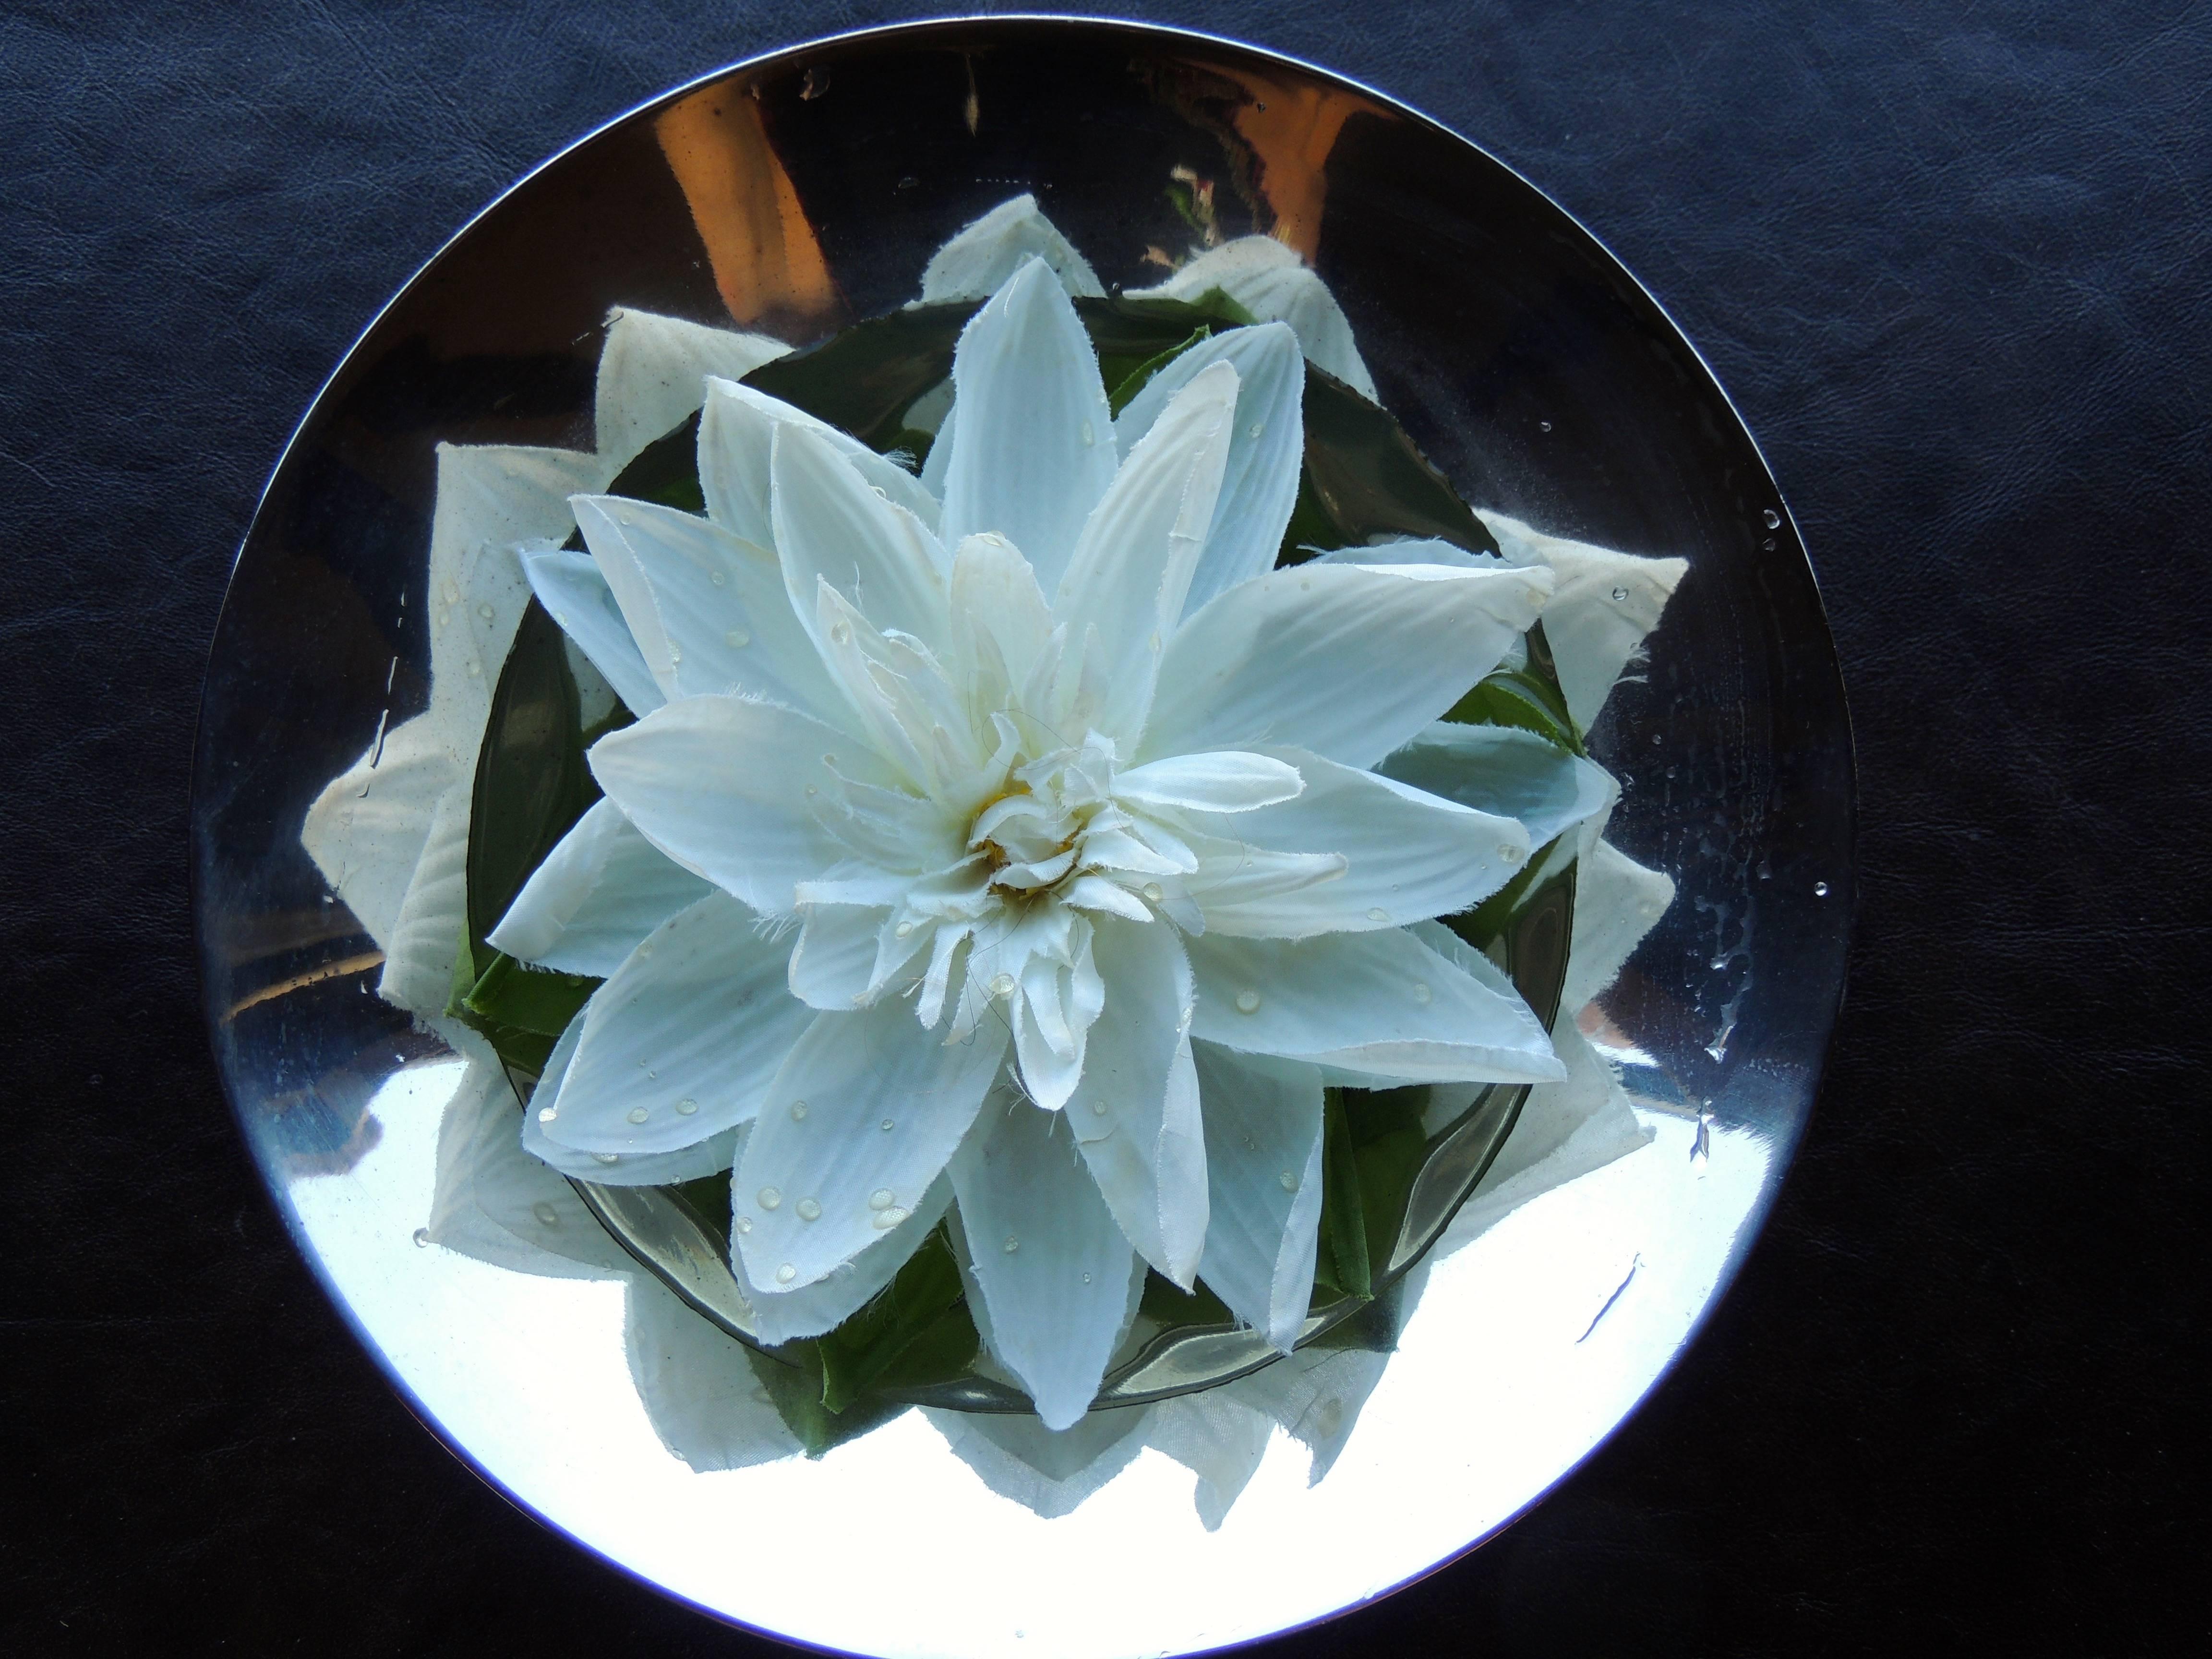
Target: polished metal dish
{"x":795,"y":193}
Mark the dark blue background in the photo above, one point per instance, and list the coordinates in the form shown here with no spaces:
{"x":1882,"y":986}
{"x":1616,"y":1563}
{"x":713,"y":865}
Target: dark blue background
{"x":1953,"y":265}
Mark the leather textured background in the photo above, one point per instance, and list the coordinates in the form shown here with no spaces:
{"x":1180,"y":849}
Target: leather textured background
{"x":1953,"y":265}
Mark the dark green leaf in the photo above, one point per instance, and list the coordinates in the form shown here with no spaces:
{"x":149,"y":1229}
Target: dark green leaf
{"x":1124,"y":394}
{"x":529,"y":999}
{"x":1364,"y":478}
{"x":795,"y":1391}
{"x":1388,"y":1146}
{"x":1481,"y":926}
{"x":1343,"y":1218}
{"x":865,"y":379}
{"x":1162,"y":1301}
{"x":862,"y":1350}
{"x":667,"y":471}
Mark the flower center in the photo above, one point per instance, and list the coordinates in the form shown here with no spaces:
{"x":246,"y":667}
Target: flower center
{"x":1031,"y":833}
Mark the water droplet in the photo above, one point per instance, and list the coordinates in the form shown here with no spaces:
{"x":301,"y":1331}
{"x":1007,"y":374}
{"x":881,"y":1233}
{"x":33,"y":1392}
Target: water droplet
{"x":1773,"y":519}
{"x":1247,"y":1002}
{"x":606,"y":1157}
{"x":828,"y":760}
{"x":771,"y":1197}
{"x":1098,"y":1108}
{"x":546,"y":1214}
{"x":1543,"y":426}
{"x":811,"y":790}
{"x":881,"y":493}
{"x":1002,"y":985}
{"x":1618,"y":594}
{"x":475,"y":669}
{"x":1289,"y":1181}
{"x":638,"y":1114}
{"x":1011,"y":1244}
{"x":485,"y":611}
{"x":674,"y":653}
{"x":881,"y":1199}
{"x":887,"y":1126}
{"x":717,"y":578}
{"x":737,"y":638}
{"x":1154,"y":892}
{"x":809,"y":1210}
{"x":799,"y":1111}
{"x":1257,"y":428}
{"x":422,"y":1238}
{"x":1377,"y":912}
{"x":1089,"y":436}
{"x":1509,"y":851}
{"x":743,"y":1224}
{"x":786,"y":1273}
{"x":903,"y":930}
{"x":686,"y":1106}
{"x":840,"y":633}
{"x":1767,"y":545}
{"x":1820,"y":889}
{"x":1421,"y":992}
{"x":1153,"y":643}
{"x":887,"y":1219}
{"x":1087,"y":1278}
{"x":547,"y":1114}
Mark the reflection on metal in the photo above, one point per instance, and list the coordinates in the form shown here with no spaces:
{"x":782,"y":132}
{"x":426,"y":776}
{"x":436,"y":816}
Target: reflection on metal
{"x":687,"y":1251}
{"x":354,"y":965}
{"x":768,"y":263}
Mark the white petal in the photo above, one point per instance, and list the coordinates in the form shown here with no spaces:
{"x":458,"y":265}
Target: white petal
{"x":737,"y":440}
{"x":576,"y":596}
{"x":686,"y":1033}
{"x":1001,"y":623}
{"x":1097,"y":893}
{"x":1407,"y":855}
{"x":692,"y":1162}
{"x":1130,"y":570}
{"x":1136,"y":1111}
{"x":1505,"y":770}
{"x":830,"y":527}
{"x":653,"y":373}
{"x":1347,"y":660}
{"x":829,"y":1302}
{"x":1053,"y":1267}
{"x":1259,"y":479}
{"x":1220,"y":780}
{"x":1034,"y":450}
{"x":600,"y":890}
{"x":1605,"y":603}
{"x":983,"y":255}
{"x":707,"y":611}
{"x":1263,"y":1146}
{"x":1270,"y":282}
{"x":1382,"y":1004}
{"x":725,"y":787}
{"x":940,"y":456}
{"x":1617,"y":902}
{"x":835,"y":960}
{"x":825,"y":1165}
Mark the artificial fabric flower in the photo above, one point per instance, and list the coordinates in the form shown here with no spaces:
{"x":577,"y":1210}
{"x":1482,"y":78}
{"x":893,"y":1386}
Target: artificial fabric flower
{"x":1019,"y":836}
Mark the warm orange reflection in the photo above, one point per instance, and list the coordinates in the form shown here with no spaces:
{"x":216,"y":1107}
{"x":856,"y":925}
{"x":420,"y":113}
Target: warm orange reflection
{"x":1291,"y":128}
{"x":768,"y":264}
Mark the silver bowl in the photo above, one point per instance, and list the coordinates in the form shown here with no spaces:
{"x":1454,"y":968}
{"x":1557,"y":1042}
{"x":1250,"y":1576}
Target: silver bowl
{"x":1530,"y":366}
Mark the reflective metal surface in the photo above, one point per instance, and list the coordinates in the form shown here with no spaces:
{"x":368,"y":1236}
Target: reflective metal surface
{"x":801,"y":192}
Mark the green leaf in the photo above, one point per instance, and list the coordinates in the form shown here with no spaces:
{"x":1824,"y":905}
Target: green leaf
{"x":1343,"y":1217}
{"x":1365,"y":479}
{"x":864,"y":1350}
{"x":1388,"y":1146}
{"x":666,"y":471}
{"x":1162,"y":1299}
{"x":1124,"y":394}
{"x":793,"y":1385}
{"x":1482,"y":926}
{"x":864,"y":380}
{"x":529,"y":999}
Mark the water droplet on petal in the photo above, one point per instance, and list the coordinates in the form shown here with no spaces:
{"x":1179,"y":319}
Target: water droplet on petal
{"x":547,"y":1114}
{"x":1011,"y":1244}
{"x":475,"y":669}
{"x":889,"y":1218}
{"x":1290,"y":1181}
{"x":798,"y":1111}
{"x":1089,"y":436}
{"x":717,"y":578}
{"x":686,"y":1106}
{"x":1618,"y":594}
{"x":786,"y":1273}
{"x":1154,"y":892}
{"x":1421,"y":992}
{"x":638,"y":1113}
{"x":887,"y":1126}
{"x":1098,"y":1108}
{"x":1153,"y":643}
{"x":840,"y":633}
{"x":1509,"y":851}
{"x":1820,"y":889}
{"x":737,"y":638}
{"x":1257,"y":428}
{"x":881,"y":1199}
{"x":1773,"y":519}
{"x":546,"y":1214}
{"x":606,"y":1157}
{"x":808,"y":1210}
{"x":1086,"y":1278}
{"x":770,"y":1197}
{"x":422,"y":1238}
{"x":1247,"y":1002}
{"x":903,"y":930}
{"x":485,"y":611}
{"x":1002,"y":985}
{"x":743,"y":1224}
{"x":1378,"y":914}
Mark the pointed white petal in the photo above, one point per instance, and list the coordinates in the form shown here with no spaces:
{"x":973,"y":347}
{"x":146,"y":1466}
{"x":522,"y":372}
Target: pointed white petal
{"x":1259,"y":479}
{"x":1414,"y":550}
{"x":1130,"y":570}
{"x":831,"y":528}
{"x":1263,"y":1145}
{"x":1347,"y":660}
{"x":981,"y":256}
{"x":709,"y":1156}
{"x":576,"y":596}
{"x":1053,"y":1267}
{"x":940,"y":455}
{"x":725,"y":787}
{"x":1218,"y":1439}
{"x":836,"y":1176}
{"x":1407,"y":855}
{"x":1218,"y":781}
{"x":1136,"y":1111}
{"x":697,"y":1384}
{"x":1034,"y":450}
{"x":1505,"y":770}
{"x":737,"y":440}
{"x":829,"y":1302}
{"x":1001,"y":623}
{"x":653,"y":373}
{"x":1270,"y":282}
{"x":1605,"y":605}
{"x":1617,"y":902}
{"x":1382,"y":1003}
{"x":707,"y":609}
{"x":834,"y":959}
{"x":679,"y":1044}
{"x":1097,"y":893}
{"x":600,"y":890}
{"x":1046,"y":1473}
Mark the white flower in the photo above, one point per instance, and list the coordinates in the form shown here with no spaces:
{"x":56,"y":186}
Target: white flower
{"x":1071,"y":797}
